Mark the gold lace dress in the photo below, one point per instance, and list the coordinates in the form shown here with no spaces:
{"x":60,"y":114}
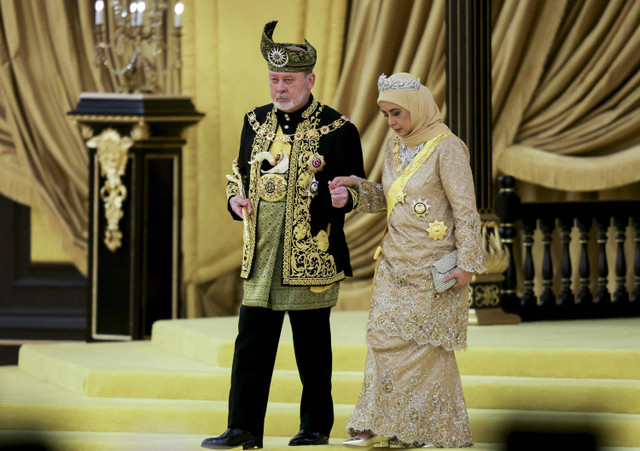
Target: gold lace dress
{"x":412,"y":391}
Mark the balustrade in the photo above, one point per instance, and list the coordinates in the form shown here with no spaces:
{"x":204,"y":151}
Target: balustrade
{"x":520,"y":224}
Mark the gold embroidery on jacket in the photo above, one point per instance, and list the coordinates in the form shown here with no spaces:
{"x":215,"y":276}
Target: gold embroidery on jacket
{"x":305,"y":257}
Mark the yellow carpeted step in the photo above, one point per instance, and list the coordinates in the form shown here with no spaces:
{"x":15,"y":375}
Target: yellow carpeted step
{"x":589,"y":349}
{"x":552,"y":394}
{"x":127,"y":369}
{"x":560,"y":376}
{"x":27,"y":403}
{"x":131,"y":441}
{"x":138,"y":370}
{"x":211,"y":340}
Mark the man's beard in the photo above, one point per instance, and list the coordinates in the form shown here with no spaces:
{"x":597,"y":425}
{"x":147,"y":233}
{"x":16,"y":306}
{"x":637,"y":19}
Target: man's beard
{"x":289,"y":104}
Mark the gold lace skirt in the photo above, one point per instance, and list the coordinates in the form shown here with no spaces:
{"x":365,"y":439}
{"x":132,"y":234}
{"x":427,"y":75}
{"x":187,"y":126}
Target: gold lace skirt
{"x":412,"y":394}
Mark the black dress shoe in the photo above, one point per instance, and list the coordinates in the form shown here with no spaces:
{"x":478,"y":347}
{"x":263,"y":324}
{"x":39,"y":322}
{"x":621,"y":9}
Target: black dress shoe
{"x":304,"y":438}
{"x":233,"y":438}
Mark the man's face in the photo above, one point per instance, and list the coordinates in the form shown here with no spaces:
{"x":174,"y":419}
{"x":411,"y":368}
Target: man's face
{"x":290,"y":90}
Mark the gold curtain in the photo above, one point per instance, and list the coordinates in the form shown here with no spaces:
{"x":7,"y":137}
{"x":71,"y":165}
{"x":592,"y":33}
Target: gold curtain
{"x":566,"y":94}
{"x":46,"y":50}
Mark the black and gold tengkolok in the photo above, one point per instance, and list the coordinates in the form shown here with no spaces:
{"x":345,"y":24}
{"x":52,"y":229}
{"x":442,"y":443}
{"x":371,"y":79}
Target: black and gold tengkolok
{"x":325,"y":144}
{"x":286,"y":57}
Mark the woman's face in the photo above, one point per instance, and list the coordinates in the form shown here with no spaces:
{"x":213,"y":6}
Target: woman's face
{"x":398,"y":119}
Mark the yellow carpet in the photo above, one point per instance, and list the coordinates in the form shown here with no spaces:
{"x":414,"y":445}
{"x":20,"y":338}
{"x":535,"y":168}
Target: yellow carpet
{"x":170,"y":392}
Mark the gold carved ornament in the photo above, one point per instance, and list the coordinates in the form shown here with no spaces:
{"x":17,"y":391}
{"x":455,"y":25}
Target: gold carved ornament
{"x":485,"y":295}
{"x":112,"y":154}
{"x":496,"y":255}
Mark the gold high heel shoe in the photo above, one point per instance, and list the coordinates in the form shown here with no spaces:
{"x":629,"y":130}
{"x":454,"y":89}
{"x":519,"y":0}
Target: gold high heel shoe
{"x":376,"y":441}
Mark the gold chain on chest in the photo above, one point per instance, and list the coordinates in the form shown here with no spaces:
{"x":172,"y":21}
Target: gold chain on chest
{"x":307,"y":128}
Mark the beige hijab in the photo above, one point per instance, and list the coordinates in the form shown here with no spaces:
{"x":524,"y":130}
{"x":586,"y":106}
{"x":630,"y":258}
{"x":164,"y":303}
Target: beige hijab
{"x":426,"y":120}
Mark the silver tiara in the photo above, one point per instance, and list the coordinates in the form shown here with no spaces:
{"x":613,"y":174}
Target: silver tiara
{"x":397,"y":84}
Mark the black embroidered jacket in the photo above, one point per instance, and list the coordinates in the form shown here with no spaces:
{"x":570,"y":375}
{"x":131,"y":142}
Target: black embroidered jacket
{"x":315,"y":248}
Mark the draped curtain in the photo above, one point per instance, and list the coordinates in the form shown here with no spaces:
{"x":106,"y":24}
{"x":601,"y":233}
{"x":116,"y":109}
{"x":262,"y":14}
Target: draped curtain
{"x":46,"y":51}
{"x":566,"y":98}
{"x":383,"y":37}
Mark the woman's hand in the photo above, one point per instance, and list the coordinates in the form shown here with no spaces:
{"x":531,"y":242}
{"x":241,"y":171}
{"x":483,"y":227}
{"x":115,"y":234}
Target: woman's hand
{"x":345,"y":181}
{"x":462,"y":278}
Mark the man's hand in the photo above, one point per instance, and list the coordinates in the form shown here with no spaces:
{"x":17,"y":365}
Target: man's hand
{"x":462,"y":278}
{"x":238,"y":203}
{"x":339,"y":195}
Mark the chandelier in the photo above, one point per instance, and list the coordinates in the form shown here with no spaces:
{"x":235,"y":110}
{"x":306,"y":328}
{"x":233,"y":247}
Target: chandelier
{"x":139,"y":44}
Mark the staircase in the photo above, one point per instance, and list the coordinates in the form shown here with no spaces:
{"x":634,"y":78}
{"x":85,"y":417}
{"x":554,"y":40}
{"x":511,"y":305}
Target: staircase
{"x":171,"y":392}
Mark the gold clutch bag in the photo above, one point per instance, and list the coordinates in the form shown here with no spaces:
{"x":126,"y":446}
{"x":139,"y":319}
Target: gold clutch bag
{"x":441,"y":269}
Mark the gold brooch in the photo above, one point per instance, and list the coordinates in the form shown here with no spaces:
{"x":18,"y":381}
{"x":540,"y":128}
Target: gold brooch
{"x":272,"y":187}
{"x":316,"y":162}
{"x":400,"y":196}
{"x":421,"y":207}
{"x":437,"y":230}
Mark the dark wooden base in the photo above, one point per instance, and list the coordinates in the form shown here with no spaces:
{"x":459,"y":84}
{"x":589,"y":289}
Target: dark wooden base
{"x":38,"y":301}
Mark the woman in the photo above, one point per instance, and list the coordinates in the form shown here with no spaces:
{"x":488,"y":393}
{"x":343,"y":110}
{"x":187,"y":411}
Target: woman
{"x":412,"y":394}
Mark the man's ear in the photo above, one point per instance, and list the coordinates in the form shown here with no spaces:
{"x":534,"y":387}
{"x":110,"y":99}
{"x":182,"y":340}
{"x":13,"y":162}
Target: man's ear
{"x":311,"y":80}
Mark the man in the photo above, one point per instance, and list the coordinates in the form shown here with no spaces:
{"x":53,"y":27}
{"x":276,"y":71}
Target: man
{"x":295,"y":253}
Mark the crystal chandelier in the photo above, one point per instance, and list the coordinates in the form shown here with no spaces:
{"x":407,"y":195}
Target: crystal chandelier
{"x":139,"y":44}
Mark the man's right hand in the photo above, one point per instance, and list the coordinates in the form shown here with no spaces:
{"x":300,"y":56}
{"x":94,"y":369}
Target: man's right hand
{"x":238,"y":203}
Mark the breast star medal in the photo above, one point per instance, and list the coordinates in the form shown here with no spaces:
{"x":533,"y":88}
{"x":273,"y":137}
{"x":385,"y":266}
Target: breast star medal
{"x":316,"y":162}
{"x":421,"y":207}
{"x":400,"y":196}
{"x":437,"y":230}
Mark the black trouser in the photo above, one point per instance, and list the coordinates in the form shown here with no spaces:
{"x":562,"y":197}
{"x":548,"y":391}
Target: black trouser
{"x":254,"y":357}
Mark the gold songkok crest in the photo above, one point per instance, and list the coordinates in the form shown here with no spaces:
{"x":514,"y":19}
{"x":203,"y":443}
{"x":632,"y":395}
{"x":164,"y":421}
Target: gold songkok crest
{"x":394,"y":83}
{"x":286,"y":57}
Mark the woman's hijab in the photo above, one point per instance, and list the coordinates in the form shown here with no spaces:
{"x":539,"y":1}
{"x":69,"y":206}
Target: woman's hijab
{"x":405,"y":90}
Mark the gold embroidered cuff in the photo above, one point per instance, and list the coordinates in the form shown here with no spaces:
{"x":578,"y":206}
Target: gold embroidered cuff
{"x":272,"y":187}
{"x":354,"y":196}
{"x":232,"y":190}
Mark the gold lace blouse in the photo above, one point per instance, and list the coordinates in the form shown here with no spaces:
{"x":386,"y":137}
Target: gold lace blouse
{"x":437,"y":216}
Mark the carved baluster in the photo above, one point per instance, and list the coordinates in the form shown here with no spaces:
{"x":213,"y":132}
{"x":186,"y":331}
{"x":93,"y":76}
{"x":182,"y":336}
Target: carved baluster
{"x":621,"y":295}
{"x":508,"y":296}
{"x":528,"y":303}
{"x":507,"y":208}
{"x":602,"y":300}
{"x":547,"y":300}
{"x":566,"y":299}
{"x":584,"y":299}
{"x":635,"y":295}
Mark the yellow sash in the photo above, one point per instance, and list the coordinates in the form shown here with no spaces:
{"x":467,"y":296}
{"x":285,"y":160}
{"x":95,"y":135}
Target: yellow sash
{"x":396,"y":192}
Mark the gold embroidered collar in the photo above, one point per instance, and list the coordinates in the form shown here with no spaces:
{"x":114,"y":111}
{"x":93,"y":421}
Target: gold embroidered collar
{"x":260,"y":129}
